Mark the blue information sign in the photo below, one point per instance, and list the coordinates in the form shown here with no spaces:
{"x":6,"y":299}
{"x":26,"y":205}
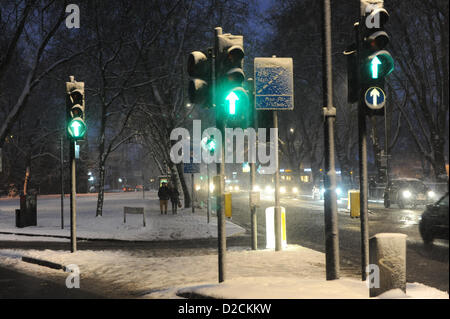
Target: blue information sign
{"x":274,"y":84}
{"x":191,"y":168}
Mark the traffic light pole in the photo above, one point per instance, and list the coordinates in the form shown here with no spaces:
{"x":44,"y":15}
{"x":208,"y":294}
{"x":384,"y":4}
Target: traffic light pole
{"x":193,"y":194}
{"x":221,"y":234}
{"x":329,"y":113}
{"x":209,"y":193}
{"x":73,"y":194}
{"x":363,"y":177}
{"x":62,"y":180}
{"x":362,"y":132}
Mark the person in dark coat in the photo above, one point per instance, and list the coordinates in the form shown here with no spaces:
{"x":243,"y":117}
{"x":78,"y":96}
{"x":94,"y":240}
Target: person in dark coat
{"x":174,"y":198}
{"x":164,"y":196}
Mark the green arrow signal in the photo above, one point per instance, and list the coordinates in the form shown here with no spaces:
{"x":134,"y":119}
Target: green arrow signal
{"x":374,"y":65}
{"x":232,"y":98}
{"x":77,"y":128}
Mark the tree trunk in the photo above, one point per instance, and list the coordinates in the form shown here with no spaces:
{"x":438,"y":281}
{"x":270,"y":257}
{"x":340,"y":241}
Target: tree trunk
{"x":101,"y":189}
{"x":185,"y":188}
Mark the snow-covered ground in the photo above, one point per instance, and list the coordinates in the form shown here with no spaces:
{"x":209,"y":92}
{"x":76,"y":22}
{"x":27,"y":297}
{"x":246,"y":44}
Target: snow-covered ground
{"x":183,"y":225}
{"x":295,"y":273}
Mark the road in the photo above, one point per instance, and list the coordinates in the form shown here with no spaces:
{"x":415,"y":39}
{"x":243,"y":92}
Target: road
{"x":305,"y":226}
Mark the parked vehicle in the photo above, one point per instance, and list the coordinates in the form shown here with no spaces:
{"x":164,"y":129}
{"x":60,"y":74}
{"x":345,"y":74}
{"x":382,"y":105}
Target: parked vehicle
{"x":407,"y":192}
{"x":434,"y":222}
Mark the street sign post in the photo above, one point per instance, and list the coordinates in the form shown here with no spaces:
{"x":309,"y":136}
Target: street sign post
{"x":274,"y":90}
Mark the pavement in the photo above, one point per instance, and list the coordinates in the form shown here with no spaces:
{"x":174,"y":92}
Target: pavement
{"x":15,"y":284}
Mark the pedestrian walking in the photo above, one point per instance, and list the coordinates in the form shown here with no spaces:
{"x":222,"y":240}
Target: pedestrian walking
{"x":174,"y":198}
{"x":164,"y":196}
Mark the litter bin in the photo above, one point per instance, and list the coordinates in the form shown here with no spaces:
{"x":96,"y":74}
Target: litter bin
{"x":353,"y":203}
{"x":27,"y":214}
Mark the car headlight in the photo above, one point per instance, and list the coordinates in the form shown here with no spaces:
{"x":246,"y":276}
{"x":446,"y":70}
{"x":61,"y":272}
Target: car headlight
{"x":295,"y":190}
{"x":256,"y":188}
{"x":407,"y":194}
{"x":338,"y":191}
{"x":282,"y":190}
{"x":236,"y":188}
{"x":268,"y":189}
{"x":431,"y":194}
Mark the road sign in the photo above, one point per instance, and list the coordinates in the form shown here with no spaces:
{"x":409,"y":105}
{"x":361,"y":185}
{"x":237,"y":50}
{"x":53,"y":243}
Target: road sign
{"x":191,"y":168}
{"x":274,"y":84}
{"x":375,"y":98}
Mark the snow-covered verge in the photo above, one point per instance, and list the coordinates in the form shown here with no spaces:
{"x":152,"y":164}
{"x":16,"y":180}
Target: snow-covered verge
{"x":295,"y":273}
{"x":183,"y":225}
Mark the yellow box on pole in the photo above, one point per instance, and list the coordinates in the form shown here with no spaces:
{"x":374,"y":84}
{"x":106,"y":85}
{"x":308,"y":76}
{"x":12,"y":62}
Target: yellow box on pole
{"x":353,"y":203}
{"x":227,"y":205}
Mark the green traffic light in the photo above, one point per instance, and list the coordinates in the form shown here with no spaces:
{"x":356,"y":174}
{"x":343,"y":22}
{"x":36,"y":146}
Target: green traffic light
{"x":374,"y":67}
{"x":232,"y":98}
{"x":380,"y":64}
{"x":77,"y":128}
{"x":211,"y":145}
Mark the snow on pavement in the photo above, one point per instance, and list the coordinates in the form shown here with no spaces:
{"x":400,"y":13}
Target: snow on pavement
{"x":295,"y":273}
{"x":183,"y":225}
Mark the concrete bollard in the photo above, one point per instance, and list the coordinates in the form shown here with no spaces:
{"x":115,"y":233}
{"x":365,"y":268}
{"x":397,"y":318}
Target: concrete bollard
{"x":387,"y":257}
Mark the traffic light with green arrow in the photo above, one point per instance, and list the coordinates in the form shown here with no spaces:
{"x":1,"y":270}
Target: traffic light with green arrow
{"x":375,"y":63}
{"x":75,"y":110}
{"x":232,"y":99}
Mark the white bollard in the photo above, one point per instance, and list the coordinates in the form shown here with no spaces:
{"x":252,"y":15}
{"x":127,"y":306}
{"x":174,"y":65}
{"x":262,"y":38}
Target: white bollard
{"x":388,"y":252}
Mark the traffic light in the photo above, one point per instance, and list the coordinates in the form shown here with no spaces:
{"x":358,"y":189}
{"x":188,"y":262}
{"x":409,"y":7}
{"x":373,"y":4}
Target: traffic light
{"x":375,"y":61}
{"x":75,"y":116}
{"x":232,"y":99}
{"x":209,"y":144}
{"x":199,"y":69}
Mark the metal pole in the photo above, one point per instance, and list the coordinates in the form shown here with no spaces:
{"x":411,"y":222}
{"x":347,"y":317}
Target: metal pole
{"x":363,"y":190}
{"x":193,"y":195}
{"x":73,"y":194}
{"x":221,"y":231}
{"x":386,"y":142}
{"x":209,"y":193}
{"x":221,"y":234}
{"x":253,"y":216}
{"x":62,"y":181}
{"x":362,"y":149}
{"x":363,"y":177}
{"x":329,"y":112}
{"x":277,"y":212}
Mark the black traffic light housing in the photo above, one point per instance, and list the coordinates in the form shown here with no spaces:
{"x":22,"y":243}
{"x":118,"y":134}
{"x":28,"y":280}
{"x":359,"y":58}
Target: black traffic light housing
{"x":375,"y":62}
{"x":75,"y":110}
{"x":199,"y":69}
{"x":233,"y":103}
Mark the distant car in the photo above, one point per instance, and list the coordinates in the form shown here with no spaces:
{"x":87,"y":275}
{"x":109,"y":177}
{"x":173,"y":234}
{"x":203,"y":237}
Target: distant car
{"x":318,"y":193}
{"x":434,"y":222}
{"x":407,"y":192}
{"x":128,"y":188}
{"x":289,"y":190}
